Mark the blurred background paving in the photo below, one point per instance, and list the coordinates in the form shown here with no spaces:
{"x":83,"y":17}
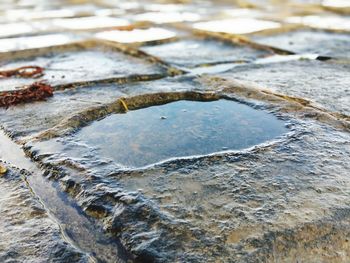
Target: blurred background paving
{"x":175,"y":131}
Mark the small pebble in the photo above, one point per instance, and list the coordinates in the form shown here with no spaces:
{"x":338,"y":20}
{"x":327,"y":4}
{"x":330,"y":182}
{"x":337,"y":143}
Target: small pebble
{"x":3,"y":170}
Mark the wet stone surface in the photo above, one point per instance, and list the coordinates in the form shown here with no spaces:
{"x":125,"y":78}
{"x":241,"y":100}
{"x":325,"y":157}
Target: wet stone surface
{"x":244,"y":215}
{"x":96,"y":172}
{"x":138,"y":36}
{"x":325,"y":22}
{"x":29,"y":119}
{"x":90,"y":23}
{"x":192,"y":53}
{"x":325,"y":83}
{"x":40,"y":41}
{"x":226,"y":202}
{"x":81,"y":65}
{"x":237,"y":26}
{"x":43,"y":115}
{"x":24,"y":28}
{"x":334,"y":45}
{"x":28,"y":233}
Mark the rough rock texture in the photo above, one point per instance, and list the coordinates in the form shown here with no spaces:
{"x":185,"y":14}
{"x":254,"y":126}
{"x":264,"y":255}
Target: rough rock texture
{"x":191,"y":53}
{"x":74,"y":64}
{"x":326,"y":83}
{"x":283,"y":200}
{"x":253,"y":205}
{"x":28,"y":233}
{"x":27,"y":119}
{"x":323,"y":43}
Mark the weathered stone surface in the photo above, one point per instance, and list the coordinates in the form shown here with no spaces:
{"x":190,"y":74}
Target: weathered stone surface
{"x":80,"y":63}
{"x":191,"y":53}
{"x":28,"y":119}
{"x":334,"y":45}
{"x":250,"y":205}
{"x":285,"y":199}
{"x":325,"y":83}
{"x":40,"y":41}
{"x":28,"y":233}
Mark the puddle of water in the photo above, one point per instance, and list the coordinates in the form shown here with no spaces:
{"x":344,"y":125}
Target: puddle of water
{"x":179,"y":129}
{"x":137,"y":35}
{"x":237,"y":25}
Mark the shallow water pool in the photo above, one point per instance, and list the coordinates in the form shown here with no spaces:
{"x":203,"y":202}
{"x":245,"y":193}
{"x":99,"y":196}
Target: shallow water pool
{"x":180,"y":129}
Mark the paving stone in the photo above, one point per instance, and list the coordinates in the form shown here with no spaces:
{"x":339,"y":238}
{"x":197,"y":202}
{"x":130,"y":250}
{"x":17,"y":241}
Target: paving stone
{"x":93,"y":22}
{"x":43,"y":115}
{"x":39,"y":41}
{"x":323,"y":43}
{"x":21,"y":28}
{"x":237,"y":26}
{"x":223,"y":201}
{"x":196,"y":52}
{"x":28,"y":233}
{"x":137,"y":35}
{"x":330,"y":22}
{"x":162,"y":18}
{"x":29,"y":119}
{"x":80,"y":63}
{"x":128,"y":170}
{"x":324,"y":83}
